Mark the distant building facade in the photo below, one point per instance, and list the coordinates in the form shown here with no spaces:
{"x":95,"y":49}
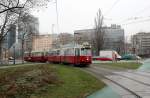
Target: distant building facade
{"x":9,"y":41}
{"x":62,"y":39}
{"x":42,"y":42}
{"x":113,"y":37}
{"x":141,"y":44}
{"x":86,"y":35}
{"x":65,"y":38}
{"x":11,"y":36}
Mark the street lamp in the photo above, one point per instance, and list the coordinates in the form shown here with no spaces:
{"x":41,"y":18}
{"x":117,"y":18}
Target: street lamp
{"x":14,"y":60}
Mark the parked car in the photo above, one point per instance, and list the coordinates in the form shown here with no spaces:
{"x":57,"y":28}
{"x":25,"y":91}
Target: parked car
{"x":11,"y":58}
{"x":130,"y":57}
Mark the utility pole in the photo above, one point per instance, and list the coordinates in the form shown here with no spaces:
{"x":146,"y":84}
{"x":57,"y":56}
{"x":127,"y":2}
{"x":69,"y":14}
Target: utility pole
{"x":23,"y":39}
{"x":57,"y":16}
{"x":52,"y":35}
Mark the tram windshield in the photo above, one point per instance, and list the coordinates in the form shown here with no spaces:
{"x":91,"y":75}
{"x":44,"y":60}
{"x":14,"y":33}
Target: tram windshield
{"x":85,"y":51}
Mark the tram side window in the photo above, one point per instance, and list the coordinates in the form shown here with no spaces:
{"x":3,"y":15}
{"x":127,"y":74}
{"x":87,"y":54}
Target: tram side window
{"x":62,"y":52}
{"x":77,"y":52}
{"x":65,"y":52}
{"x":42,"y":53}
{"x":37,"y":54}
{"x":32,"y":54}
{"x":69,"y":52}
{"x":58,"y":52}
{"x":46,"y":53}
{"x":72,"y":52}
{"x":50,"y":53}
{"x":53,"y":53}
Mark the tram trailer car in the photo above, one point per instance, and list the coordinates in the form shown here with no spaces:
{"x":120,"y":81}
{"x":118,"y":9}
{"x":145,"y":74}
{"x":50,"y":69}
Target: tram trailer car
{"x":36,"y":56}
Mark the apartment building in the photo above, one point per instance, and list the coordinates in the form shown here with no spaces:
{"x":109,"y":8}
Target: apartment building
{"x":141,"y":43}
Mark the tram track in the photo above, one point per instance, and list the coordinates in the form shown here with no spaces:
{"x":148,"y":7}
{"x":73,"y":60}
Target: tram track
{"x":105,"y":73}
{"x":135,"y":73}
{"x":141,"y":81}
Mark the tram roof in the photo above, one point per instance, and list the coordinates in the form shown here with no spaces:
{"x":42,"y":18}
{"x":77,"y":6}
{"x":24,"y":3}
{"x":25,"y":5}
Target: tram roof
{"x":36,"y":51}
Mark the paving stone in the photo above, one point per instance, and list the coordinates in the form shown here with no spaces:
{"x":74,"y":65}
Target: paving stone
{"x":136,"y":77}
{"x":128,"y":96}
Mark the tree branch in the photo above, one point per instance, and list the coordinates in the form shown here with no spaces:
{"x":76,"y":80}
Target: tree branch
{"x":17,"y":3}
{"x":3,"y":27}
{"x":10,"y":9}
{"x":3,"y":5}
{"x":25,"y":3}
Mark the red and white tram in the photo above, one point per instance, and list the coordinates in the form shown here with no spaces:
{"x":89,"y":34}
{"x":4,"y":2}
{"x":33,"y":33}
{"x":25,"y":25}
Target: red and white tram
{"x":77,"y":55}
{"x":68,"y":54}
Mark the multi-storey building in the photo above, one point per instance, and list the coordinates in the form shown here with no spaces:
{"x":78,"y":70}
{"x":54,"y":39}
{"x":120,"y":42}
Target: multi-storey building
{"x":42,"y":42}
{"x":113,"y":37}
{"x":8,"y":40}
{"x":11,"y":36}
{"x":86,"y":35}
{"x":141,"y":43}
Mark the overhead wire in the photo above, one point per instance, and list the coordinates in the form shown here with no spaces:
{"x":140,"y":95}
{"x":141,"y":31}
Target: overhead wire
{"x":130,"y":18}
{"x":143,"y":10}
{"x":110,"y":9}
{"x":141,"y":21}
{"x":135,"y":17}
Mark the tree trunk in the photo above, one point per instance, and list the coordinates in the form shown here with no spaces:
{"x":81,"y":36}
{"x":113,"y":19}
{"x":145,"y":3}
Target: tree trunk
{"x":1,"y":53}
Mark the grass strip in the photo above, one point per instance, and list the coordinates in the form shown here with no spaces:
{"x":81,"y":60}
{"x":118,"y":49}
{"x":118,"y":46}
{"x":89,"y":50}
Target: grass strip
{"x":118,"y":65}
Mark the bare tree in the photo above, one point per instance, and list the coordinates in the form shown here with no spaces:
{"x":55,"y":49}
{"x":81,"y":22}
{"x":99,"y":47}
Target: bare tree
{"x":99,"y":32}
{"x":121,"y":46}
{"x":10,"y":11}
{"x":27,"y":24}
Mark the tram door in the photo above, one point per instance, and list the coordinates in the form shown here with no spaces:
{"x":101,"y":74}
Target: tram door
{"x":77,"y":55}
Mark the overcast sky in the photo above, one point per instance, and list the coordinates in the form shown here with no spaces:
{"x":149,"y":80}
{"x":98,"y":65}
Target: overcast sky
{"x":79,"y":14}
